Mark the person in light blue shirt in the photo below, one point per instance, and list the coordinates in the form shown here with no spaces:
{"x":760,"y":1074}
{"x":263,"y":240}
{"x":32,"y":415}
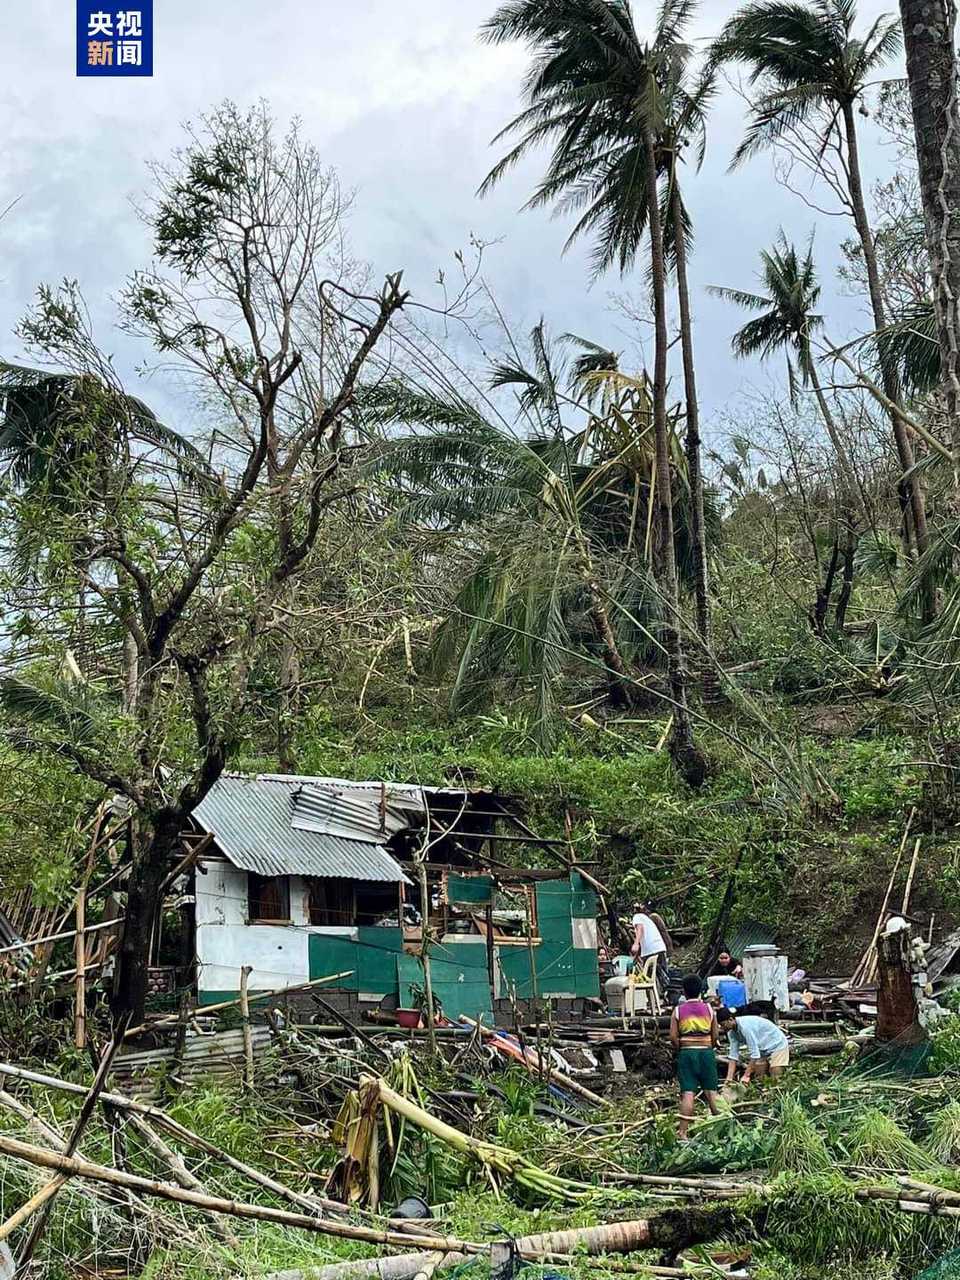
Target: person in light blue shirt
{"x":768,"y":1049}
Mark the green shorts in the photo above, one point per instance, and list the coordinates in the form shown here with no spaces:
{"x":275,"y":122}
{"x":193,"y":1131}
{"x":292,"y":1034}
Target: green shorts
{"x":696,"y":1070}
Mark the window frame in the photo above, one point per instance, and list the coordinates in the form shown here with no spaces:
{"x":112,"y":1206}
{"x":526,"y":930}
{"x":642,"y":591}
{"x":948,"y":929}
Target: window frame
{"x":256,"y":882}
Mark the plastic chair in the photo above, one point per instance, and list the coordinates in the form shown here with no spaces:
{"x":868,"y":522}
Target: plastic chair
{"x":646,"y":988}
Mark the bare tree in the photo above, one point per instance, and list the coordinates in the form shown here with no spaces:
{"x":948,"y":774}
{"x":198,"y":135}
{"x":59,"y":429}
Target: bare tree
{"x":242,"y":221}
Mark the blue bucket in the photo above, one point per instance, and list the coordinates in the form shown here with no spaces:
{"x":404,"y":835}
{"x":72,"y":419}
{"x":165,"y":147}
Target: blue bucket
{"x":732,"y":992}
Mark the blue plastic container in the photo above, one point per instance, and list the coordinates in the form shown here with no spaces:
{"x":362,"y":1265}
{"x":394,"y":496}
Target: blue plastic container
{"x":732,"y":992}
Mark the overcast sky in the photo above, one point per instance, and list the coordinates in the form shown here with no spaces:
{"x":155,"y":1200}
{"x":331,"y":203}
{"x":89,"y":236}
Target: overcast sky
{"x":403,"y":99}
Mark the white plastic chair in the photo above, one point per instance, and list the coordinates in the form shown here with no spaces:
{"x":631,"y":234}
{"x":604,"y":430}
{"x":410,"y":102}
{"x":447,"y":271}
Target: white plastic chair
{"x":645,"y":987}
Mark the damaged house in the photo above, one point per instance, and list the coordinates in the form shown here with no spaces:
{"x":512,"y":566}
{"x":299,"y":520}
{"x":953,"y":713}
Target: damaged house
{"x":301,"y":878}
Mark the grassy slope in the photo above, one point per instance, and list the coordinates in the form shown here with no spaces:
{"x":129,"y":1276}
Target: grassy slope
{"x":817,"y":870}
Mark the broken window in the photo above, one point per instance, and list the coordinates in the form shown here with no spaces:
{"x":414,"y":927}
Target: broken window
{"x":332,"y":902}
{"x":268,"y":898}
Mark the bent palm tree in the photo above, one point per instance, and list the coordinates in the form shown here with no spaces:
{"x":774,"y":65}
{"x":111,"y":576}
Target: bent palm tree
{"x":788,"y":319}
{"x":560,"y":524}
{"x":61,"y":436}
{"x":603,"y":97}
{"x":807,"y":62}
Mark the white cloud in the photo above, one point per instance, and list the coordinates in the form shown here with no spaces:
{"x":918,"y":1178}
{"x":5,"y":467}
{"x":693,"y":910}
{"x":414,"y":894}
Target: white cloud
{"x":403,"y":98}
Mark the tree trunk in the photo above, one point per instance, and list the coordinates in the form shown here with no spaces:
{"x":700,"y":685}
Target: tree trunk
{"x":851,"y":499}
{"x":131,"y":673}
{"x":152,"y":847}
{"x":289,"y":706}
{"x":821,"y":607}
{"x":687,"y":756}
{"x":618,"y":676}
{"x":910,"y":488}
{"x":849,"y":552}
{"x":897,"y":1015}
{"x":692,"y":443}
{"x":929,"y":35}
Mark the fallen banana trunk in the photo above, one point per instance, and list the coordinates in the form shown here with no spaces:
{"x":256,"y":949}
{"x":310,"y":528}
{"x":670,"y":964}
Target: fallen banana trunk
{"x":496,"y":1160}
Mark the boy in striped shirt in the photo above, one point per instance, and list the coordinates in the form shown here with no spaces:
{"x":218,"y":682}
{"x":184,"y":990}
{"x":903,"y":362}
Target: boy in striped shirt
{"x":694,"y":1033}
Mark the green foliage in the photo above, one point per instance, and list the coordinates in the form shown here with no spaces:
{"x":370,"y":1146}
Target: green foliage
{"x":799,"y":1147}
{"x":723,"y":1144}
{"x":943,"y":1140}
{"x":945,"y":1042}
{"x":877,"y":1142}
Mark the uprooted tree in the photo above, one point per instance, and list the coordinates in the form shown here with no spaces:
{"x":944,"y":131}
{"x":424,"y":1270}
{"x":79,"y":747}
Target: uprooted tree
{"x":172,"y":559}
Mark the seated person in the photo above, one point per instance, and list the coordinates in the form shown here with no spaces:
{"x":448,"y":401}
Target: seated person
{"x":727,"y":965}
{"x":768,"y":1049}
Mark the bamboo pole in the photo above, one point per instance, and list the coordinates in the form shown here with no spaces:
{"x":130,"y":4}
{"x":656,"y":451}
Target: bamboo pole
{"x":908,"y":888}
{"x":42,"y":1201}
{"x":315,"y":1203}
{"x":181,"y":1174}
{"x":62,"y":936}
{"x":74,"y":1167}
{"x":232,"y":1004}
{"x":425,"y":951}
{"x":867,"y":960}
{"x":45,"y":1132}
{"x":80,"y":961}
{"x":245,"y":973}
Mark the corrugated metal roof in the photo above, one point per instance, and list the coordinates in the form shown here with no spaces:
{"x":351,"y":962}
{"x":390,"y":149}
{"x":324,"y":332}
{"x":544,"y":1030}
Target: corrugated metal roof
{"x":749,"y":933}
{"x":353,"y":815}
{"x":250,"y":819}
{"x":398,"y":792}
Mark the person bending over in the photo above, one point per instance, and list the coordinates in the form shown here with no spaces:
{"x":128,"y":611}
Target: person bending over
{"x":693,"y":1033}
{"x":768,"y":1049}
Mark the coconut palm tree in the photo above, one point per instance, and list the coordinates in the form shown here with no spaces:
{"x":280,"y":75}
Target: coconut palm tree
{"x":556,"y":524}
{"x":788,"y":318}
{"x":61,"y":437}
{"x":930,"y":39}
{"x":812,"y":70}
{"x":603,"y":97}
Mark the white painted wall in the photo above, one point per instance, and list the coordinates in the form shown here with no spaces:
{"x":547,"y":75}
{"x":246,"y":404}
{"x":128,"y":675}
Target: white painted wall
{"x":221,"y":893}
{"x":279,"y":954}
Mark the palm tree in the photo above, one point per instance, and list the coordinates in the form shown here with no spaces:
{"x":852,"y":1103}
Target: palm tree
{"x":807,"y":63}
{"x":556,"y":525}
{"x":787,"y":321}
{"x":932,"y":73}
{"x":603,"y":97}
{"x":683,"y":127}
{"x":61,"y":436}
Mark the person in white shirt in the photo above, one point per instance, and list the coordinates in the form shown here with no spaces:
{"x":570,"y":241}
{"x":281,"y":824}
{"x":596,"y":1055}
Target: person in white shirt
{"x":648,"y":940}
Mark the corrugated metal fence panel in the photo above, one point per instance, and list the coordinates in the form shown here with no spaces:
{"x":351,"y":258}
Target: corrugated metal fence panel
{"x":469,"y":890}
{"x":250,"y":820}
{"x":459,"y":977}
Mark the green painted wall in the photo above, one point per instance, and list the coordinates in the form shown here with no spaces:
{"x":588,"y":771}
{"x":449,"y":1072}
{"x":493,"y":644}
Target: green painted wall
{"x":459,"y":969}
{"x":372,"y":957}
